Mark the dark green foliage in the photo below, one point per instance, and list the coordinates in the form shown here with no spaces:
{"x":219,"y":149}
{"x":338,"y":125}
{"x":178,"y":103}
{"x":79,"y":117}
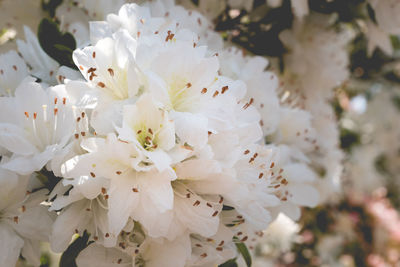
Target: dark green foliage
{"x":258,"y":31}
{"x":50,"y":6}
{"x":230,"y":263}
{"x":241,"y":247}
{"x":48,"y":179}
{"x":56,"y":44}
{"x":72,"y":252}
{"x":348,"y":139}
{"x":347,"y":10}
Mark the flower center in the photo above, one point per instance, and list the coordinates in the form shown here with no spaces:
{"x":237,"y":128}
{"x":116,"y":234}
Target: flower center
{"x":146,"y":137}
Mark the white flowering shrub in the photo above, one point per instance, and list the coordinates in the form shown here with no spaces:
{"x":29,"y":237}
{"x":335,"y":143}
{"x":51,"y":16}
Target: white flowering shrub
{"x":136,"y":133}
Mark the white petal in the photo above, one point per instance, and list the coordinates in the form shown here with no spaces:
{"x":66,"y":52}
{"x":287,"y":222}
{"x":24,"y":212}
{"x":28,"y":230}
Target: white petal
{"x":99,"y":256}
{"x":10,"y":246}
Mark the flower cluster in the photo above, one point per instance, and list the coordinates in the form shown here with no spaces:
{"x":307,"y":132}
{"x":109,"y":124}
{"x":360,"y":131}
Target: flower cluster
{"x":160,"y":145}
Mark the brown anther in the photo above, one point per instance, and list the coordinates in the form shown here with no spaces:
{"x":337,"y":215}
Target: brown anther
{"x":101,"y":84}
{"x":215,"y":93}
{"x":209,"y":205}
{"x":118,"y":172}
{"x":106,"y":197}
{"x":215,"y":213}
{"x":272,"y":165}
{"x":261,"y":123}
{"x":34,"y":115}
{"x":95,"y":238}
{"x":80,"y":67}
{"x":64,"y":100}
{"x":83,"y":133}
{"x":119,"y":261}
{"x":76,"y":231}
{"x":221,"y":243}
{"x":221,"y":200}
{"x":188,"y":195}
{"x":196,"y":203}
{"x":284,"y":182}
{"x":219,"y":249}
{"x":203,"y":255}
{"x":83,"y":114}
{"x":204,"y":90}
{"x":135,"y":190}
{"x":23,"y":208}
{"x":92,"y":174}
{"x":224,"y":89}
{"x":55,"y":100}
{"x":91,"y":70}
{"x":251,"y":160}
{"x":199,"y":21}
{"x":239,"y":233}
{"x":87,"y":209}
{"x":1,"y":72}
{"x":277,"y":186}
{"x":51,"y":73}
{"x":194,"y":45}
{"x":55,"y":111}
{"x":136,"y":251}
{"x":111,"y":71}
{"x":246,"y":152}
{"x":78,"y":119}
{"x":103,"y":190}
{"x":150,"y":131}
{"x":16,"y":219}
{"x":138,"y":34}
{"x":198,"y":245}
{"x":255,"y":155}
{"x":94,"y":54}
{"x":156,"y":32}
{"x":188,"y":85}
{"x":14,"y":67}
{"x":26,"y":114}
{"x":107,"y":235}
{"x":210,"y":240}
{"x":138,"y":132}
{"x":260,"y":175}
{"x":244,"y":238}
{"x":169,"y":36}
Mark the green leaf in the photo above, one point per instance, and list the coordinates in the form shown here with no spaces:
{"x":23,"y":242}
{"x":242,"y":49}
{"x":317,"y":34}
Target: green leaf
{"x":230,"y":263}
{"x":225,"y":207}
{"x":47,"y":178}
{"x":50,"y":6}
{"x":56,"y":44}
{"x":72,"y":252}
{"x":241,"y":247}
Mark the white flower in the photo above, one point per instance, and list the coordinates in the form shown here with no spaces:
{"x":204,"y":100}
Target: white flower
{"x":110,"y":71}
{"x":35,"y":126}
{"x":378,"y":38}
{"x":261,"y":85}
{"x":43,"y":66}
{"x":386,"y":15}
{"x":143,"y":191}
{"x":12,"y":71}
{"x":149,"y":127}
{"x":300,"y":8}
{"x":23,"y":221}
